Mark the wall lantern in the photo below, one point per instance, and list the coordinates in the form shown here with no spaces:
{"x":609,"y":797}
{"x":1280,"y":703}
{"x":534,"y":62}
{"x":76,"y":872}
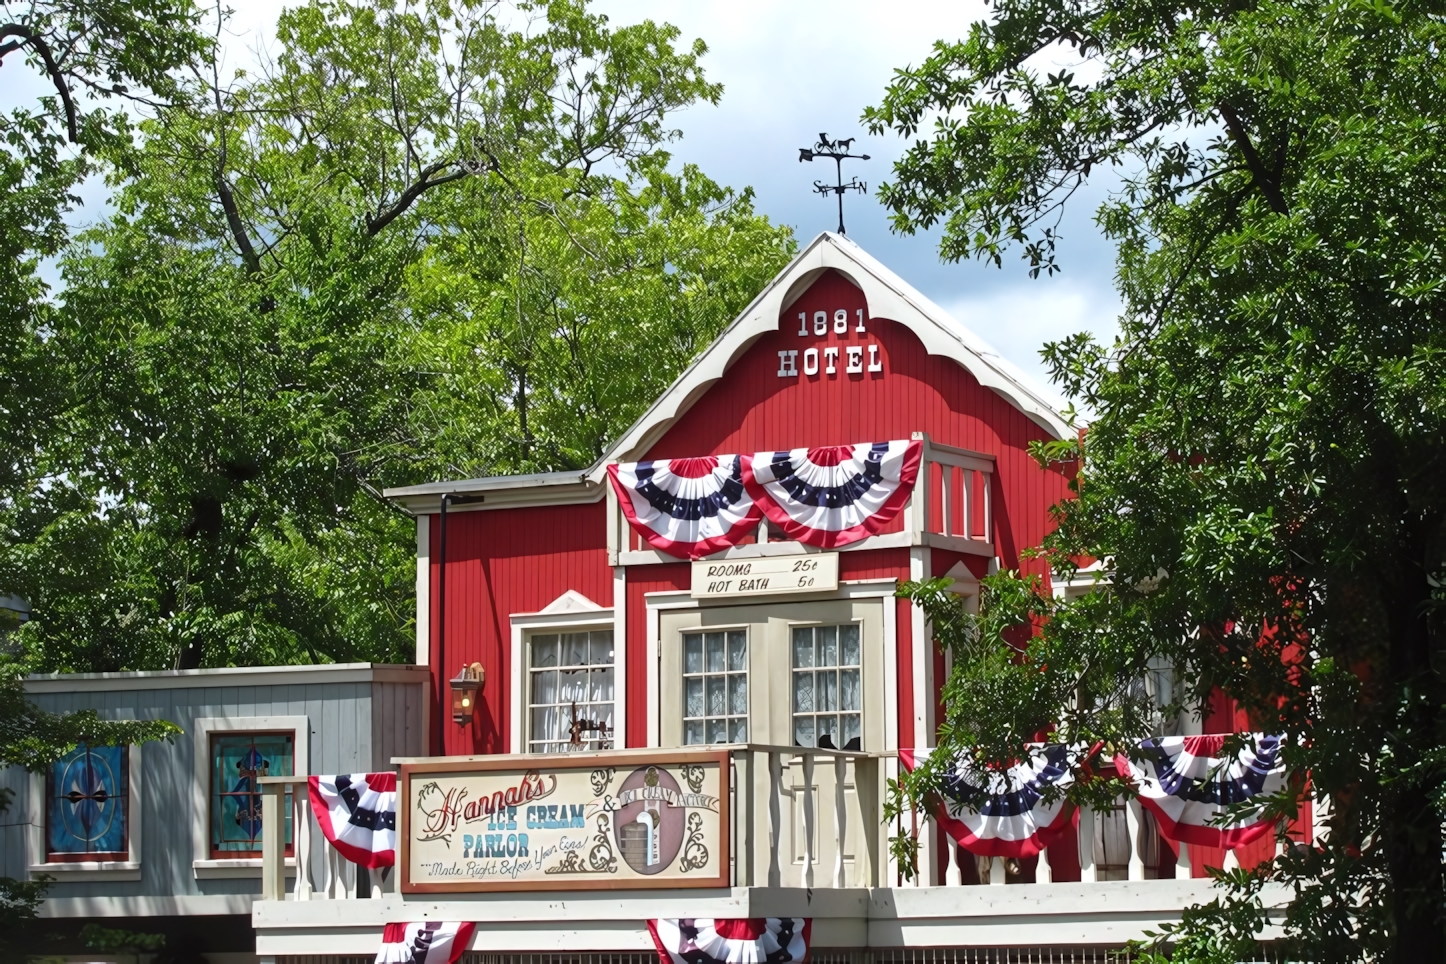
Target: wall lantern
{"x":466,"y":685}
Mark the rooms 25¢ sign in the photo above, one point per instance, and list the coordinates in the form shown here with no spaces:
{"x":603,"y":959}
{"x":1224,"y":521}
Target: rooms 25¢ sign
{"x":854,"y":355}
{"x":565,"y":822}
{"x":765,"y":575}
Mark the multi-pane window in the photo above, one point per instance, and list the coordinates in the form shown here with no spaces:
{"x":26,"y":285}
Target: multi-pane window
{"x":827,"y":687}
{"x":570,"y":692}
{"x":715,"y":687}
{"x":88,"y":800}
{"x":238,"y":762}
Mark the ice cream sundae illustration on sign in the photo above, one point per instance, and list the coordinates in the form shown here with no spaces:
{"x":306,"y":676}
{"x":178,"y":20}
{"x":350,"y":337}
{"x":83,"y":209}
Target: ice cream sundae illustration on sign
{"x":566,"y":822}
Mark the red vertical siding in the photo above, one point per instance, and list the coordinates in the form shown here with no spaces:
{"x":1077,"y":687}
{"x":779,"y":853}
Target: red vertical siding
{"x":500,"y":562}
{"x":669,"y":577}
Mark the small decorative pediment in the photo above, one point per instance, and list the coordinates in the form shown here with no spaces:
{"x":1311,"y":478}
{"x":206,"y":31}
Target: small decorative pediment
{"x":571,"y":601}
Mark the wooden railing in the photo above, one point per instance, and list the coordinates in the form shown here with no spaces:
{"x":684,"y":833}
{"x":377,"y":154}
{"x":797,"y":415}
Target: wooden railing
{"x":320,"y":873}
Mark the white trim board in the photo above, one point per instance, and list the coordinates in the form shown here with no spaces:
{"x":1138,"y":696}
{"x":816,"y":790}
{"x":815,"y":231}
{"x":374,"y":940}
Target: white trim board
{"x":65,"y":871}
{"x":574,"y":621}
{"x":202,"y":864}
{"x":171,"y":679}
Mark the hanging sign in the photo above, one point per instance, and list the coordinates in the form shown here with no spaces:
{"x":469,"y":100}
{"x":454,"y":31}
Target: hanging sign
{"x":765,"y":576}
{"x":565,"y":822}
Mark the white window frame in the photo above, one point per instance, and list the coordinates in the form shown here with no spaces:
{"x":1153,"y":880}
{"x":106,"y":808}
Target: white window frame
{"x":82,"y":870}
{"x":684,"y":674}
{"x":792,"y":669}
{"x":525,"y":625}
{"x":203,"y":865}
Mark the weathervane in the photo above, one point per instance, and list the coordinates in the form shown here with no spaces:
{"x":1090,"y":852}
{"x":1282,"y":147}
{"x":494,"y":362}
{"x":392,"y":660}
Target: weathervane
{"x":838,"y":150}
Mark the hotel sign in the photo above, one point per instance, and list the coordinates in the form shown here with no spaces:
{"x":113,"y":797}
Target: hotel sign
{"x":765,"y":575}
{"x":565,"y":822}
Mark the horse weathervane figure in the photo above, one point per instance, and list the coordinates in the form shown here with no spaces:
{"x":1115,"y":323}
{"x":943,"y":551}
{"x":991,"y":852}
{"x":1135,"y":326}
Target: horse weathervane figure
{"x":838,"y":150}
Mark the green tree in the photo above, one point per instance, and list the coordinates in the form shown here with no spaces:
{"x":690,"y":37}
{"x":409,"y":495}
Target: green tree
{"x":420,"y":242}
{"x":1264,"y":470}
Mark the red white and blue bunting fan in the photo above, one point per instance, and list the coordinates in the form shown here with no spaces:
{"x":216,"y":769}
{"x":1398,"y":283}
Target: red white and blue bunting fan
{"x":687,"y":507}
{"x":1189,"y":785}
{"x":743,"y":940}
{"x":1006,"y":814}
{"x":357,"y":812}
{"x":428,"y":942}
{"x":835,"y":495}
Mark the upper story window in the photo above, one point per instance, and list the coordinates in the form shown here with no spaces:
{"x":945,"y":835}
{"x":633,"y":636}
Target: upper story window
{"x":715,"y":687}
{"x":827,"y":687}
{"x":238,"y":761}
{"x":570,"y":692}
{"x":88,"y":805}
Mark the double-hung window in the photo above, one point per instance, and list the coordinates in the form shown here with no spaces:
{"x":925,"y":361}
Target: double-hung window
{"x":715,"y":687}
{"x":570,"y":692}
{"x":827,"y":687}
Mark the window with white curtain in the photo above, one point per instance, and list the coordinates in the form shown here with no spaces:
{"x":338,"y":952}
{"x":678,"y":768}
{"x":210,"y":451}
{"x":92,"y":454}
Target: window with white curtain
{"x":570,"y":692}
{"x":715,"y":687}
{"x":827,"y":690}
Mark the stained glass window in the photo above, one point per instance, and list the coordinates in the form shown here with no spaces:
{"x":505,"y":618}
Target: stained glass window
{"x":88,"y":802}
{"x":238,"y":761}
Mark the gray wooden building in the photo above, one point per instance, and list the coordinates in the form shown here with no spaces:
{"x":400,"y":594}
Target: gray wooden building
{"x":162,"y":838}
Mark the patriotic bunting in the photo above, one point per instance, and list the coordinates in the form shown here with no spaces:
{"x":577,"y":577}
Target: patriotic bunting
{"x":358,"y":814}
{"x":833,"y":496}
{"x":687,"y":507}
{"x":429,"y":942}
{"x":1188,"y":784}
{"x":747,"y":940}
{"x":995,"y":814}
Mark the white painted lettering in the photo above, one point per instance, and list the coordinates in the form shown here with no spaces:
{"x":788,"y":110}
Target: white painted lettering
{"x":856,"y":358}
{"x":802,"y":323}
{"x":831,"y":354}
{"x":874,"y":364}
{"x":860,"y":313}
{"x":810,"y":361}
{"x":820,"y":323}
{"x":788,"y":363}
{"x":841,"y":322}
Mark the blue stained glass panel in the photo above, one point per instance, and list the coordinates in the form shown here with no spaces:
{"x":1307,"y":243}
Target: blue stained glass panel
{"x":89,"y":797}
{"x":238,"y":761}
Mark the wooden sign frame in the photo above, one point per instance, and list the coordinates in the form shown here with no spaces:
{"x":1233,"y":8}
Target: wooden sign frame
{"x":570,"y":761}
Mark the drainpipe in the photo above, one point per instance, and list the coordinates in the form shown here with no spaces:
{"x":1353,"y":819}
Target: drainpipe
{"x":441,"y":701}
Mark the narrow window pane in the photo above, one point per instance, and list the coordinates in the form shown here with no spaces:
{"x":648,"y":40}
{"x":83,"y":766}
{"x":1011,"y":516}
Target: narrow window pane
{"x":544,"y":651}
{"x":850,"y":697}
{"x":803,"y":694}
{"x":574,"y":649}
{"x":717,"y":696}
{"x":602,"y":685}
{"x":802,"y":647}
{"x":737,"y":731}
{"x":716,"y":656}
{"x":738,"y":695}
{"x":694,"y":689}
{"x":827,"y":645}
{"x":803,"y":731}
{"x":693,"y":732}
{"x":546,"y":723}
{"x":717,"y":731}
{"x":828,"y":692}
{"x":573,"y":686}
{"x":693,"y":654}
{"x":737,"y":652}
{"x":851,"y":731}
{"x":544,"y":686}
{"x":849,"y":645}
{"x":600,"y":648}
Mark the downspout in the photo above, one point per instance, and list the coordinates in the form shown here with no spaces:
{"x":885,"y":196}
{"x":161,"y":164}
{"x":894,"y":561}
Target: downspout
{"x":451,"y":498}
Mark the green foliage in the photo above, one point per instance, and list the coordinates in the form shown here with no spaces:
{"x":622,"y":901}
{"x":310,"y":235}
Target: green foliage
{"x":423,"y":242}
{"x":20,"y":900}
{"x":119,"y":941}
{"x":1264,"y":475}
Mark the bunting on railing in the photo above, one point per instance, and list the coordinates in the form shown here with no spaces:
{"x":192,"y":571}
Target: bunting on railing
{"x":1188,"y":784}
{"x":687,"y":507}
{"x":428,"y":942}
{"x":1006,"y":814}
{"x":358,"y":813}
{"x":833,"y":496}
{"x":746,"y":940}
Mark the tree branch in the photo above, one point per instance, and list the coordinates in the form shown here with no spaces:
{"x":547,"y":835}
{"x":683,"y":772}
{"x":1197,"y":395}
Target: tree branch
{"x":1258,"y":173}
{"x":424,"y":183}
{"x":57,"y":76}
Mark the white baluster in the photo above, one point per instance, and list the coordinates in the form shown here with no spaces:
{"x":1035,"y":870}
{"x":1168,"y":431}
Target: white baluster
{"x":954,"y":873}
{"x":1087,"y":845}
{"x":996,"y":872}
{"x":374,"y":876}
{"x":1134,"y":827}
{"x":1320,"y":820}
{"x":1043,"y":873}
{"x":1183,"y":868}
{"x":301,"y":833}
{"x":775,"y":778}
{"x":840,"y":817}
{"x":946,"y":488}
{"x":1232,"y":862}
{"x":808,"y":820}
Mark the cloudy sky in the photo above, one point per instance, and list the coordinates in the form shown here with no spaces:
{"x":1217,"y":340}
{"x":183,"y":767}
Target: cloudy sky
{"x":791,"y":70}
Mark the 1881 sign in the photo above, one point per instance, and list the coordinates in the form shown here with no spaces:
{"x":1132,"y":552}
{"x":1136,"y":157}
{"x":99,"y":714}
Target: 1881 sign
{"x":565,"y":822}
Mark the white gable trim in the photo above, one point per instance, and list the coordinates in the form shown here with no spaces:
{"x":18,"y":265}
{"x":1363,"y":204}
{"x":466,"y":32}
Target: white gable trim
{"x":888,"y":296}
{"x":571,"y":601}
